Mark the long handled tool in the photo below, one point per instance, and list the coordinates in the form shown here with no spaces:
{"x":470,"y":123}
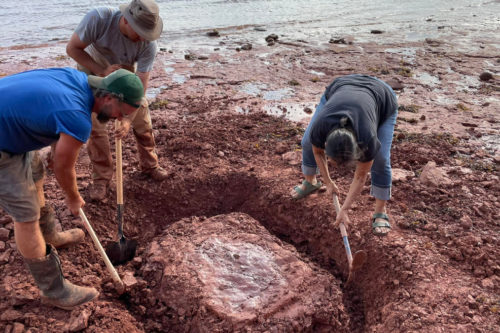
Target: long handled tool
{"x":120,"y":287}
{"x":124,"y":249}
{"x":355,"y":262}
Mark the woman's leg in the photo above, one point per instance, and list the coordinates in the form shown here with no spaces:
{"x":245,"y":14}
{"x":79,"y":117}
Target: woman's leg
{"x":381,"y":172}
{"x":309,"y":167}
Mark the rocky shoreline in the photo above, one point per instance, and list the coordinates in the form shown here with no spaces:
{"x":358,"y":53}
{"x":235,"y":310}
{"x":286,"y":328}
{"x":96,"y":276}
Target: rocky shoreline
{"x":222,"y":121}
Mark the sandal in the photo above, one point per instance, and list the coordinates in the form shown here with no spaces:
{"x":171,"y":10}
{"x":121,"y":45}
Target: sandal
{"x":308,"y":189}
{"x":382,"y":225}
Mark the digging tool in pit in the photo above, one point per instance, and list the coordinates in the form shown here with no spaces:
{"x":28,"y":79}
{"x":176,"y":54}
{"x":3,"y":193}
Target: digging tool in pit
{"x":120,"y":287}
{"x":355,"y":262}
{"x":124,"y":249}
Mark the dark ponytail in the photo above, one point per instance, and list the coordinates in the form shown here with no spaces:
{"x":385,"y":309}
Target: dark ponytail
{"x":341,"y":143}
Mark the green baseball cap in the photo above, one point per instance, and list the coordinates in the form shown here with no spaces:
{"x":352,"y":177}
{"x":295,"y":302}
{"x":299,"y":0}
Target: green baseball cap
{"x":121,"y":82}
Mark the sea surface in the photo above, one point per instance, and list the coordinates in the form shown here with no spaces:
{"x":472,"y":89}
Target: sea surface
{"x":186,"y":22}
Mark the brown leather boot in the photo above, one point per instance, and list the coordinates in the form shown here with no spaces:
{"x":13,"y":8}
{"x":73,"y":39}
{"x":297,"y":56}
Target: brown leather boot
{"x":159,"y":174}
{"x":55,"y":290}
{"x":51,"y":236}
{"x":98,"y":190}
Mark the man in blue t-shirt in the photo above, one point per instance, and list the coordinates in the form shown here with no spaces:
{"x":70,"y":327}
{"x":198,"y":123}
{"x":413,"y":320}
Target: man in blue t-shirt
{"x":44,"y":107}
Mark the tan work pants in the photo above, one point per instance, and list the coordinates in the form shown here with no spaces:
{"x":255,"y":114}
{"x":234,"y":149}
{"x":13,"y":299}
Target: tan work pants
{"x":99,"y":150}
{"x":98,"y":145}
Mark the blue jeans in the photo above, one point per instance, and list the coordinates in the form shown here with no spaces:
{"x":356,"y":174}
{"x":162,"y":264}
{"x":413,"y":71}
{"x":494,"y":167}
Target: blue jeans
{"x":381,"y":172}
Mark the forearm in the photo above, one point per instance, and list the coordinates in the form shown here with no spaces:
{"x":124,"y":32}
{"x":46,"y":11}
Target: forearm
{"x":320,"y":157}
{"x":362,"y":169}
{"x":66,"y":177}
{"x":354,"y":191}
{"x":85,"y":60}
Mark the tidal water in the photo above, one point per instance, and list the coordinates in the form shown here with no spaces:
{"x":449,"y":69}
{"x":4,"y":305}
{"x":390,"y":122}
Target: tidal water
{"x":186,"y":22}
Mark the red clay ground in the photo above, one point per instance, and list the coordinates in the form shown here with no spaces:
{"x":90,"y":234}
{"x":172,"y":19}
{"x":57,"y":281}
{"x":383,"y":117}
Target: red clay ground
{"x":437,"y":271}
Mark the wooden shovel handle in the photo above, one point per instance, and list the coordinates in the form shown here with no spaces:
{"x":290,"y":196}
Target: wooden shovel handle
{"x":119,"y":172}
{"x":120,"y":287}
{"x":343,"y":231}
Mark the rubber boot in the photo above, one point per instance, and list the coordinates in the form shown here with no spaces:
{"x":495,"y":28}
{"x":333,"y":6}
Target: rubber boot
{"x":51,"y":236}
{"x":55,"y":290}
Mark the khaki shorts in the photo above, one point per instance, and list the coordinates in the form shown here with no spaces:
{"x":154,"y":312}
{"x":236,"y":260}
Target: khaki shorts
{"x":18,"y":195}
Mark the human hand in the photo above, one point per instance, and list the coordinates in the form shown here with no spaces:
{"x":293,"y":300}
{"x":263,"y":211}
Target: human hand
{"x":331,"y":188}
{"x":110,"y":69}
{"x":74,"y":204}
{"x":342,"y":218}
{"x":123,"y":128}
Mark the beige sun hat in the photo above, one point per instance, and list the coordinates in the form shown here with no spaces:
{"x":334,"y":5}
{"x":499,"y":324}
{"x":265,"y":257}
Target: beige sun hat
{"x":144,"y":17}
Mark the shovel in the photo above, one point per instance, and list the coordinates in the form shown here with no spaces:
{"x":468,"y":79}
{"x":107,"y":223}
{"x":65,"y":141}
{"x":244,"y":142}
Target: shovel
{"x":355,"y":262}
{"x":120,"y":287}
{"x":124,"y":249}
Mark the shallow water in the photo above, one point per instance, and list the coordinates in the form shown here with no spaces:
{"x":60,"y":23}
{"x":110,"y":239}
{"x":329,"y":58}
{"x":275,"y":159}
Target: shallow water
{"x":187,"y":21}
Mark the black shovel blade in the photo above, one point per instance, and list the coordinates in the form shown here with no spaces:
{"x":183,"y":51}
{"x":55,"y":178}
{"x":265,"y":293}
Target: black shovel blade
{"x":122,"y":251}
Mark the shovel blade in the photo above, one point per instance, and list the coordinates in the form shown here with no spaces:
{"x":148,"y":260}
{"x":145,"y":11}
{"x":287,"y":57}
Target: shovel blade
{"x":358,"y":260}
{"x":122,"y":251}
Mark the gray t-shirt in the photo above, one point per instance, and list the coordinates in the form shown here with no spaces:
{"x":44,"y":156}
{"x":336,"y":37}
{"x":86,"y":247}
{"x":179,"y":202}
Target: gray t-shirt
{"x":100,"y":28}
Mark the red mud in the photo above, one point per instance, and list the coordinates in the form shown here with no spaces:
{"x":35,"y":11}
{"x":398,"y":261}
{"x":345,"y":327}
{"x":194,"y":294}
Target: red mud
{"x":437,"y":271}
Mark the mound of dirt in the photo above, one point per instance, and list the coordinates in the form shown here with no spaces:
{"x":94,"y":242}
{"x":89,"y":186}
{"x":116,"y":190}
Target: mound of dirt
{"x":227,"y":273}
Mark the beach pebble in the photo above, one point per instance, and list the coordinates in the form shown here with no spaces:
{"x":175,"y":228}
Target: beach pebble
{"x":4,"y":234}
{"x":213,"y":33}
{"x":485,"y":76}
{"x":246,"y":47}
{"x":271,"y":38}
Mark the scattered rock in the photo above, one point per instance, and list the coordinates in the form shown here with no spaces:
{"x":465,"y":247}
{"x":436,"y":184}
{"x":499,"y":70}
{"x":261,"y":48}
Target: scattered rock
{"x":433,"y":176}
{"x":213,"y":33}
{"x":401,"y":175}
{"x":259,"y":29}
{"x":486,"y":76}
{"x":488,"y":283}
{"x":395,"y":84}
{"x":308,"y":110}
{"x":5,"y":256}
{"x":272,"y":38}
{"x":5,"y":220}
{"x":10,"y":315}
{"x":79,"y":321}
{"x":190,"y":56}
{"x":18,"y":328}
{"x":466,"y":222}
{"x":413,"y":108}
{"x":129,"y":280}
{"x":4,"y":234}
{"x":337,"y":41}
{"x":292,"y":157}
{"x":376,"y":32}
{"x":433,"y":42}
{"x":246,"y":47}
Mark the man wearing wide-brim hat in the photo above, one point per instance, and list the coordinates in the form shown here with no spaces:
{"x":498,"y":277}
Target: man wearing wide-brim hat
{"x":105,"y":40}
